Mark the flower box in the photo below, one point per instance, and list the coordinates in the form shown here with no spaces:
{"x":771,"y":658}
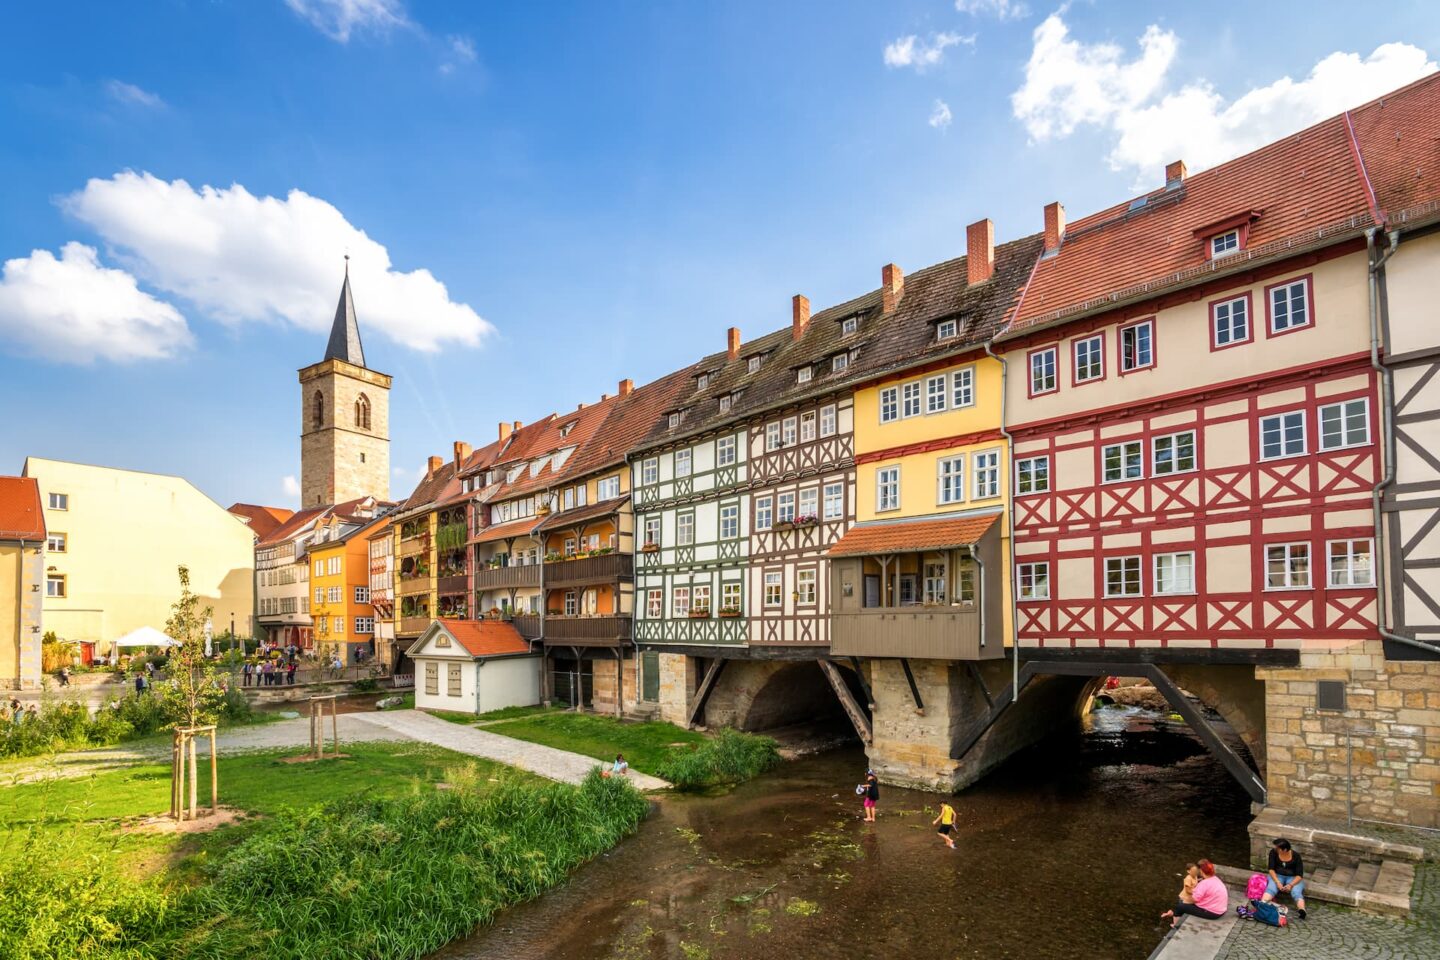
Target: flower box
{"x":650,"y":548}
{"x":543,"y":510}
{"x":729,"y":613}
{"x":700,"y":614}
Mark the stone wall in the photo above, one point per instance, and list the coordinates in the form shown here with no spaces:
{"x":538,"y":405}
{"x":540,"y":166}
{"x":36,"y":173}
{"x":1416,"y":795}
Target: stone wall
{"x":1382,"y":751}
{"x":1234,"y":692}
{"x":604,"y":688}
{"x":677,"y":680}
{"x":339,"y":460}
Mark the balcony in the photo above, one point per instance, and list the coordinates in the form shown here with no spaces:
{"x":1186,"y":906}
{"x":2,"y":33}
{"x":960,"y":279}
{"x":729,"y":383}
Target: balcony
{"x":452,"y":583}
{"x":587,"y":631}
{"x":413,"y":626}
{"x":528,"y":625}
{"x":491,"y":578}
{"x":607,"y":568}
{"x":929,"y":633}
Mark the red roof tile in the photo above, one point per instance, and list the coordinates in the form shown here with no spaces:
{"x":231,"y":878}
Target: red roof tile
{"x":908,"y":536}
{"x":486,"y":638}
{"x":20,"y":514}
{"x":263,"y":520}
{"x":515,"y":528}
{"x":1399,"y":138}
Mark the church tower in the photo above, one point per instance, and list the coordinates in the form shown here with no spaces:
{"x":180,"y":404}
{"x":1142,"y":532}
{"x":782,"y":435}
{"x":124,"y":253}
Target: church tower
{"x":345,"y":418}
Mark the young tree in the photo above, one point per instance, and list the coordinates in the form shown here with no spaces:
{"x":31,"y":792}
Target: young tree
{"x":193,"y":691}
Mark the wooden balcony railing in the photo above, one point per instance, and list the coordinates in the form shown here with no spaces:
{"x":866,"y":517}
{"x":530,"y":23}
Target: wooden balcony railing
{"x":934,"y":633}
{"x":413,"y":626}
{"x":490,"y":578}
{"x":528,"y":625}
{"x":587,"y":631}
{"x":606,"y":568}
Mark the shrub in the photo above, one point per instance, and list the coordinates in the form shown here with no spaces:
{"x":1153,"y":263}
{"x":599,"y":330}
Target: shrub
{"x":728,"y":757}
{"x":234,"y":706}
{"x":144,"y":714}
{"x":367,"y":685}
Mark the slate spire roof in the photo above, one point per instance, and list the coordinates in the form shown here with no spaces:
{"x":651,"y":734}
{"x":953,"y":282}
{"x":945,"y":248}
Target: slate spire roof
{"x":345,"y":331}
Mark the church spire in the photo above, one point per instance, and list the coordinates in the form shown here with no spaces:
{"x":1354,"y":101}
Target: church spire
{"x":345,"y":332}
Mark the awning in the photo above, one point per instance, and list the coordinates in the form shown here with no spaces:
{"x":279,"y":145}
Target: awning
{"x":912,"y":536}
{"x":504,"y":531}
{"x":146,"y":637}
{"x":594,"y":511}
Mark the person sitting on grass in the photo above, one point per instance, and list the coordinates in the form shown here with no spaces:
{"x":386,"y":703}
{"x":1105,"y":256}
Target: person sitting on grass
{"x":617,"y":769}
{"x":1287,"y":874}
{"x":1211,"y":898}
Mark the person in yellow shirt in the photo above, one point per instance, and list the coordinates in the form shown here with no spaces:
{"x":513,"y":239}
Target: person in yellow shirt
{"x":945,"y":824}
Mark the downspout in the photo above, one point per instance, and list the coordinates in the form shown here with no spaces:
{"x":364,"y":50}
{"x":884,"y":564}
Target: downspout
{"x":1009,"y":527}
{"x":479,"y":663}
{"x":980,"y":590}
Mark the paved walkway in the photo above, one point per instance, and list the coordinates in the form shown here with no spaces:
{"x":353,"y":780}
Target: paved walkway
{"x":1195,"y":939}
{"x":546,"y":761}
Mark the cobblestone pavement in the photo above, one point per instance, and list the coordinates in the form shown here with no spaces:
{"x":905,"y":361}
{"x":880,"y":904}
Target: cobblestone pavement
{"x":1340,"y":933}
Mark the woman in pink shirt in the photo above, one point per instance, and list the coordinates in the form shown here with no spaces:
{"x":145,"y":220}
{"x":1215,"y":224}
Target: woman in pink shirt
{"x":1211,"y":897}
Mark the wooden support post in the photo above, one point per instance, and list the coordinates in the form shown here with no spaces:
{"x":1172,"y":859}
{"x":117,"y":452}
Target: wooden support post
{"x":852,"y":709}
{"x":214,"y":776}
{"x":194,"y":775}
{"x":1231,"y":760}
{"x":619,"y":682}
{"x":997,"y":707}
{"x":707,"y":687}
{"x":980,"y":682}
{"x":860,"y":676}
{"x":334,"y":729}
{"x":914,"y":690}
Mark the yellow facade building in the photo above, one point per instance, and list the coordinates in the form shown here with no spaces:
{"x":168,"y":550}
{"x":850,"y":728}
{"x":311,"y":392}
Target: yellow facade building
{"x":340,"y":608}
{"x":117,"y":538}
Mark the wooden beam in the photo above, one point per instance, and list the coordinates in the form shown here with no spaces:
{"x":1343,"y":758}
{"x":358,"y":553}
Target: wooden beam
{"x":1231,"y":760}
{"x":998,"y":706}
{"x":707,"y":687}
{"x":914,"y":690}
{"x":979,"y":679}
{"x":860,"y":676}
{"x":847,"y":701}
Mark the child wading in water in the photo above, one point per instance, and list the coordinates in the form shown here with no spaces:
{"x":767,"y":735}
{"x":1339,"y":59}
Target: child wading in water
{"x":872,"y":795}
{"x":945,"y":823}
{"x":1187,"y":888}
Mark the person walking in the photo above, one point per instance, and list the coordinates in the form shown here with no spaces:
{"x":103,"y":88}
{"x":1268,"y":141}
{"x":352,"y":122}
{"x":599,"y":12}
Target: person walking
{"x":245,"y":674}
{"x":63,"y":675}
{"x":140,"y":684}
{"x":945,"y":823}
{"x":871,"y":795}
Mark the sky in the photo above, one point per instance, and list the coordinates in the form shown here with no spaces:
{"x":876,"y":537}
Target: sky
{"x":542,"y":199}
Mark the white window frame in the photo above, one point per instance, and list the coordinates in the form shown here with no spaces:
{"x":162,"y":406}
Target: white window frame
{"x":1044,"y":381}
{"x":752,"y":365}
{"x":1230,"y":338}
{"x":889,"y":404}
{"x":774,"y":581}
{"x":808,"y":505}
{"x":1159,"y":582}
{"x":57,"y":542}
{"x":828,"y":420}
{"x":950,"y":479}
{"x":804,"y":374}
{"x":1092,"y":367}
{"x":1288,"y":288}
{"x":764,"y":513}
{"x":729,"y":521}
{"x":806,"y":585}
{"x":58,"y":501}
{"x":684,"y":463}
{"x":807,"y":427}
{"x":1172,"y":466}
{"x":1224,"y":244}
{"x":1126,"y":564}
{"x":912,"y":402}
{"x":1125,"y":457}
{"x":839,"y":362}
{"x":1287,"y":553}
{"x":1134,"y":329}
{"x":674,"y":421}
{"x":849,"y":325}
{"x":1280,"y":419}
{"x":650,"y":470}
{"x":834,"y":501}
{"x":789,"y":431}
{"x":887,"y":479}
{"x":647,"y":527}
{"x":937,"y":394}
{"x":725,"y":403}
{"x":700,"y":597}
{"x":985,"y":465}
{"x":1038,"y":480}
{"x":785,"y":507}
{"x":1032,"y":580}
{"x":685,"y":533}
{"x":51,"y":579}
{"x":680,"y":601}
{"x":947,"y":329}
{"x":702,"y":381}
{"x":362,"y":594}
{"x":654,"y":603}
{"x":772,"y":436}
{"x":962,"y":388}
{"x":1348,"y":580}
{"x":1344,"y":412}
{"x":725,"y":451}
{"x":732,"y":595}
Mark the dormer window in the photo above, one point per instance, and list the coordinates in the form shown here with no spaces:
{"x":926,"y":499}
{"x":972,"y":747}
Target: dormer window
{"x":725,"y":404}
{"x":839,"y":362}
{"x":1224,"y":243}
{"x":752,"y":365}
{"x":675,"y":420}
{"x":849,"y":325}
{"x":947,"y":329}
{"x":1225,"y":237}
{"x":565,"y":430}
{"x":702,"y":382}
{"x":804,"y":374}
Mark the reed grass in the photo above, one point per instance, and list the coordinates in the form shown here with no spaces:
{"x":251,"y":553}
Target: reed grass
{"x":725,"y":758}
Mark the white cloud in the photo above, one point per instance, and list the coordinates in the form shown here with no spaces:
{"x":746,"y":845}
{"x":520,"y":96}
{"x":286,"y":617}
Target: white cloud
{"x":999,"y":9}
{"x":338,"y":19}
{"x":242,"y":258}
{"x":911,"y":51}
{"x":462,"y":47}
{"x":290,"y":485}
{"x":73,"y":310}
{"x":940,"y":116}
{"x":1069,"y":83}
{"x":129,"y":94}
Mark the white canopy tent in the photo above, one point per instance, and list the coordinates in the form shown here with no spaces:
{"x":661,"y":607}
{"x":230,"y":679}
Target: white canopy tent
{"x":146,"y":637}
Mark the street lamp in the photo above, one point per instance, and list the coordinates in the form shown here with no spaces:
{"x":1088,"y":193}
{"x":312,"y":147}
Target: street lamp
{"x":232,"y":633}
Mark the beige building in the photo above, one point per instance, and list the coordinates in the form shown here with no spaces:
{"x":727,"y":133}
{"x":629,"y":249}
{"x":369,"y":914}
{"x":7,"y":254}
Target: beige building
{"x":22,"y":566}
{"x":117,"y":539}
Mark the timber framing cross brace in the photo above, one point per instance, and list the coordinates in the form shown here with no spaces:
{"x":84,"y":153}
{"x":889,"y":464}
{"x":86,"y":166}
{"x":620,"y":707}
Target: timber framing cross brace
{"x":707,"y":687}
{"x":847,"y":701}
{"x":1231,"y":760}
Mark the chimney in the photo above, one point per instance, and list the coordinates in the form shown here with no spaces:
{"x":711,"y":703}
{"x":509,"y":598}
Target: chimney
{"x":516,"y":425}
{"x":892,"y":286}
{"x":435,"y":463}
{"x":604,"y":397}
{"x":1174,"y":174}
{"x":799,"y":315}
{"x":1054,"y":225}
{"x":979,"y":252}
{"x":504,"y":431}
{"x":462,"y":453}
{"x":627,"y":386}
{"x":581,"y":404}
{"x":732,"y":342}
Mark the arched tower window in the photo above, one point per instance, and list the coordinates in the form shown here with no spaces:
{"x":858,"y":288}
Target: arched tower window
{"x":362,"y":412}
{"x":319,"y":408}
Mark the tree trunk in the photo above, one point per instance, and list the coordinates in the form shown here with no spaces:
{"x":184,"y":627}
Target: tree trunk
{"x":194,"y":776}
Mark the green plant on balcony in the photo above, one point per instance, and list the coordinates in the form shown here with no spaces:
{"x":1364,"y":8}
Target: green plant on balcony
{"x":601,"y":551}
{"x":729,"y":612}
{"x":700,"y":613}
{"x":553,"y":557}
{"x":450,"y":536}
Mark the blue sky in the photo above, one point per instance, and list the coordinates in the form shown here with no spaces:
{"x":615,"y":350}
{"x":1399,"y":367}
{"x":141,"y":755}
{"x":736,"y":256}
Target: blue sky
{"x":542,"y":199}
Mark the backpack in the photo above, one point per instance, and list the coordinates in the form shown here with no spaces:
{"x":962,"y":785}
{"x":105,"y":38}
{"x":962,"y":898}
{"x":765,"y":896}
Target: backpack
{"x":1269,"y":913}
{"x":1257,"y":886}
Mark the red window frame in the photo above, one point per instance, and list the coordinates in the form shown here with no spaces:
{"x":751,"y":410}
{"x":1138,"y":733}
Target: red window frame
{"x":1075,"y":380}
{"x":1120,"y":346}
{"x":1249,"y":299}
{"x":1309,"y":324}
{"x":1030,"y":370}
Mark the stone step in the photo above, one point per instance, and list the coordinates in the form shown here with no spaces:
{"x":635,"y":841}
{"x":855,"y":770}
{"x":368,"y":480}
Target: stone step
{"x":1346,"y":843}
{"x":1365,"y":875}
{"x":1342,"y":877}
{"x":1321,"y":876}
{"x":1322,"y":886}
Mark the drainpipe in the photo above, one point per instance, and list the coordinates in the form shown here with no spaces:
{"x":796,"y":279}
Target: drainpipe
{"x":1009,"y":527}
{"x":1376,"y":259}
{"x":980,"y":590}
{"x":479,"y":664}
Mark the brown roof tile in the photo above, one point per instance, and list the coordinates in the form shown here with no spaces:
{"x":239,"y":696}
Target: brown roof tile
{"x":1399,"y":138}
{"x":908,"y":536}
{"x":20,"y":515}
{"x":262,"y":520}
{"x":486,"y":638}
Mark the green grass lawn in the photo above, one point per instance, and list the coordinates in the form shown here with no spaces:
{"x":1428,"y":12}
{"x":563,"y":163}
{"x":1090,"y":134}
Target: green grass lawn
{"x":644,"y":744}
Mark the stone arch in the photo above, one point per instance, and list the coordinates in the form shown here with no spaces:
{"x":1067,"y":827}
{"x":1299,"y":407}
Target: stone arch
{"x":1232,"y":691}
{"x":362,"y":412}
{"x":764,"y":694}
{"x":317,"y":409}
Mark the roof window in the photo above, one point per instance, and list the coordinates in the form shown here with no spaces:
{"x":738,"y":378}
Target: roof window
{"x":752,"y":365}
{"x":849,"y":325}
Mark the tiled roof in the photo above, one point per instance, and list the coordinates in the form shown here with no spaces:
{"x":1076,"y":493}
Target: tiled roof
{"x":262,"y":520}
{"x":908,"y":536}
{"x":1399,"y":138}
{"x":515,"y":528}
{"x":20,"y":515}
{"x":297,"y":523}
{"x":486,"y":638}
{"x":630,"y":419}
{"x":1307,"y":187}
{"x":569,"y":518}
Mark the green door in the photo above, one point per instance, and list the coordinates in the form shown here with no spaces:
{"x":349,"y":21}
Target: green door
{"x":650,"y":677}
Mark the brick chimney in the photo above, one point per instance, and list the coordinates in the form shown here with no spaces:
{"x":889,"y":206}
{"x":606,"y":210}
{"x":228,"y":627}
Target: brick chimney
{"x":462,"y":453}
{"x":581,"y":404}
{"x":732,"y":342}
{"x":1054,"y":225}
{"x":517,"y":423}
{"x":979,"y":252}
{"x":892,"y":286}
{"x":435,"y":463}
{"x":504,"y":431}
{"x":627,"y":387}
{"x":799,"y":315}
{"x":1175,"y":173}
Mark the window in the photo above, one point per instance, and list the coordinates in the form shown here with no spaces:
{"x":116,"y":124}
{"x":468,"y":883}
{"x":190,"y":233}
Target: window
{"x":887,"y":488}
{"x":1289,"y":305}
{"x":910,"y":399}
{"x":362,"y":412}
{"x":950,"y":479}
{"x":684,"y":460}
{"x":570,"y":546}
{"x":787,"y":432}
{"x":652,"y":530}
{"x":805,"y":586}
{"x":772,"y":436}
{"x":1230,"y":321}
{"x":334,"y":565}
{"x":1137,"y":346}
{"x":730,"y":521}
{"x":674,"y":420}
{"x":810,"y":502}
{"x":339,"y":625}
{"x":807,"y":427}
{"x":702,"y":382}
{"x":962,"y":387}
{"x":1287,"y":566}
{"x":834,"y":501}
{"x":934,"y":586}
{"x":608,"y":488}
{"x":1174,"y":573}
{"x":839,"y":362}
{"x":1090,"y":359}
{"x":1042,"y":371}
{"x":568,"y":499}
{"x":936,"y":394}
{"x":889,"y":404}
{"x":56,"y":586}
{"x":1122,"y":576}
{"x":684,"y":529}
{"x":763,"y":513}
{"x":1172,"y":454}
{"x":1032,"y":475}
{"x":317,"y":407}
{"x":965,"y":583}
{"x":650,"y":470}
{"x":725,"y":451}
{"x":773,"y":589}
{"x":432,"y":679}
{"x":1345,"y":424}
{"x":319,"y":568}
{"x":654,"y":603}
{"x":1282,"y":435}
{"x":333,"y":594}
{"x":785,"y":508}
{"x":56,"y":543}
{"x":572,"y":603}
{"x":362,"y":594}
{"x":752,"y":365}
{"x":725,"y":402}
{"x":319,"y":595}
{"x":804,"y":374}
{"x":700,"y":601}
{"x":364,"y":625}
{"x":1225,"y":243}
{"x":1033,"y":581}
{"x":827,"y":420}
{"x":849,"y":325}
{"x":1350,"y":564}
{"x":1122,"y":461}
{"x":947,"y":329}
{"x":987,"y":474}
{"x":452,"y":679}
{"x":730,"y":596}
{"x":59,"y":501}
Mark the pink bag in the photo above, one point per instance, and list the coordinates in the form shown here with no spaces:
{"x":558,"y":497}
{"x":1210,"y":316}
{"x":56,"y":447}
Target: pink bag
{"x":1255,"y":889}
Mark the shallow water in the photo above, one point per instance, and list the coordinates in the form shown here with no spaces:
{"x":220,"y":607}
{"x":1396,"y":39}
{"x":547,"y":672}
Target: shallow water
{"x":1070,"y":850}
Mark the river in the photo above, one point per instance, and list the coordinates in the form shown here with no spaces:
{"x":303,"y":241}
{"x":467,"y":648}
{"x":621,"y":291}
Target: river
{"x":1070,"y":850}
